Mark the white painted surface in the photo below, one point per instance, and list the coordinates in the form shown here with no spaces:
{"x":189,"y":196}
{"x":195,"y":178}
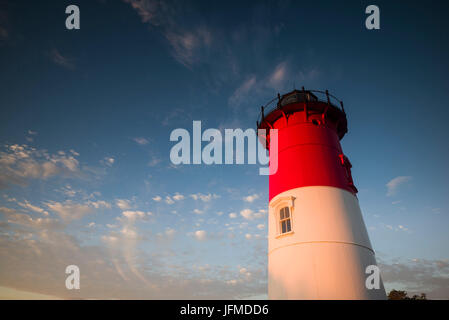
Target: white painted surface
{"x":328,"y":250}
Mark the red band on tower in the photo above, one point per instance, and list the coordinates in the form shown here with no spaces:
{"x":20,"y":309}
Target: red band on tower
{"x":309,"y":150}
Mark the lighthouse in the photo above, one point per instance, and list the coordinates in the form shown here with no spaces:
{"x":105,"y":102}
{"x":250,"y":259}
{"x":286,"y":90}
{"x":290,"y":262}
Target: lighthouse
{"x":318,"y":245}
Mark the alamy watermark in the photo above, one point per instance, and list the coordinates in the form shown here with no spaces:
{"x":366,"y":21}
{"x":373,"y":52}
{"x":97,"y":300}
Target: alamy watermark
{"x":73,"y":280}
{"x":191,"y":151}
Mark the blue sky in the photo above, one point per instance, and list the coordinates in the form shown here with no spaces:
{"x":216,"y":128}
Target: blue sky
{"x":86,"y":115}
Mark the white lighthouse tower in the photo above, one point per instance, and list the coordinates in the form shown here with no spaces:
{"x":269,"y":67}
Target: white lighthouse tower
{"x":318,"y":246}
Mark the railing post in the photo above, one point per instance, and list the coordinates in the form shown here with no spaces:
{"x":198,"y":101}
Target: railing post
{"x":327,"y":96}
{"x":263,"y":117}
{"x":306,"y":116}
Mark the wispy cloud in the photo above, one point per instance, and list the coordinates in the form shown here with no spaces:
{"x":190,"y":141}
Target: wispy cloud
{"x":140,"y":140}
{"x":281,"y":77}
{"x":279,"y":74}
{"x":394,"y":184}
{"x":62,"y":60}
{"x":31,"y":207}
{"x":241,"y":93}
{"x":187,"y":44}
{"x":154,"y":161}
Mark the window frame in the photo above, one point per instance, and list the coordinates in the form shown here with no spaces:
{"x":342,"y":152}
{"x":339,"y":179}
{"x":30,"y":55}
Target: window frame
{"x":287,"y":219}
{"x":276,"y":206}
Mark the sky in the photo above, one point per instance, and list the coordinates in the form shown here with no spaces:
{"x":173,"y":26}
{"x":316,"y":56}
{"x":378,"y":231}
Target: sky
{"x":86,"y":116}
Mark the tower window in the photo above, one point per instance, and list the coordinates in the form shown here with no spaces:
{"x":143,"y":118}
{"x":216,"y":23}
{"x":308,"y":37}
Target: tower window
{"x":285,"y":220}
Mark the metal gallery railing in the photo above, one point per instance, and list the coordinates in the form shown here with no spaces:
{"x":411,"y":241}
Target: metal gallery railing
{"x":318,"y":96}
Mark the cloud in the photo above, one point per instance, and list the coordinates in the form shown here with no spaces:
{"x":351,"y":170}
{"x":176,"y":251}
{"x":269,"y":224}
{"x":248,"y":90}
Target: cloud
{"x":109,"y":161}
{"x":133,"y":215}
{"x":61,"y":60}
{"x":251,"y":198}
{"x":148,"y":10}
{"x":283,"y":77}
{"x":31,"y":207}
{"x":200,"y":235}
{"x":308,"y":76}
{"x":34,"y":249}
{"x":6,"y":210}
{"x":232,"y":215}
{"x":394,"y":184}
{"x":416,"y":276}
{"x":31,"y":134}
{"x":204,"y":197}
{"x":170,"y":232}
{"x":26,"y":220}
{"x":154,"y":161}
{"x":169,"y":200}
{"x":178,"y":197}
{"x":187,"y":44}
{"x":140,"y":140}
{"x":123,"y":204}
{"x":260,"y":226}
{"x":99,"y":204}
{"x":400,"y":227}
{"x":69,"y":210}
{"x":258,"y":85}
{"x":224,"y":53}
{"x":241,"y":93}
{"x":175,"y":114}
{"x":114,"y":272}
{"x":279,"y":74}
{"x":197,"y":211}
{"x":243,"y":270}
{"x":249,"y":214}
{"x":20,"y":163}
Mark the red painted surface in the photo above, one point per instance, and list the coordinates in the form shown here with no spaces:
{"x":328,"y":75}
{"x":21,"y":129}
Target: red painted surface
{"x":309,"y":150}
